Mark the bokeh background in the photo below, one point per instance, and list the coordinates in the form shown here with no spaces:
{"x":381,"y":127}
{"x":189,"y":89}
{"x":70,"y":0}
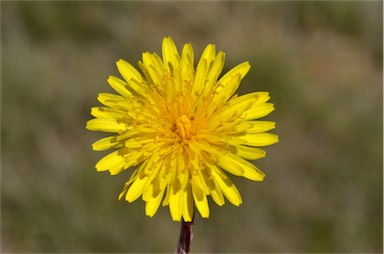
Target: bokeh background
{"x":320,"y":61}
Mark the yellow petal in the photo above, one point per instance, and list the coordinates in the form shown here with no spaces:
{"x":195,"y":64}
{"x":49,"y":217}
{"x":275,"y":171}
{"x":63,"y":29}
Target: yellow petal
{"x":106,"y":125}
{"x":133,"y":177}
{"x":216,"y":68}
{"x":128,"y":71}
{"x":205,"y":143}
{"x":148,"y":191}
{"x":120,"y":86}
{"x":131,"y":159}
{"x":242,"y":127}
{"x":155,"y":76}
{"x":138,"y":175}
{"x":214,"y":188}
{"x":234,"y":164}
{"x":201,"y":73}
{"x":188,"y":203}
{"x":132,"y":76}
{"x":167,"y":195}
{"x":136,"y":189}
{"x":133,"y":143}
{"x":258,"y":111}
{"x":241,"y":69}
{"x":170,"y":55}
{"x":249,"y":153}
{"x":153,"y":204}
{"x":198,"y":179}
{"x":255,"y":97}
{"x":153,"y":187}
{"x":200,"y":199}
{"x":227,"y":163}
{"x":118,"y":102}
{"x":227,"y":90}
{"x":260,"y":139}
{"x":208,"y":55}
{"x":105,"y":143}
{"x":187,"y":68}
{"x":112,"y":160}
{"x":105,"y":112}
{"x":260,"y":126}
{"x":229,"y":114}
{"x":110,"y":100}
{"x":187,"y":55}
{"x":214,"y":72}
{"x":175,"y":200}
{"x":153,"y":60}
{"x":249,"y":103}
{"x":229,"y":189}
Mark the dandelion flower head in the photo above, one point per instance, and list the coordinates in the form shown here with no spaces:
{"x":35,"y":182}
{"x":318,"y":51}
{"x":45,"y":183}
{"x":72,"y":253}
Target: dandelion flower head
{"x":182,"y":130}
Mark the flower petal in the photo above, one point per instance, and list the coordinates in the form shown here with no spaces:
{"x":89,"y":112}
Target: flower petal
{"x":255,"y":97}
{"x":153,"y":60}
{"x":153,"y":203}
{"x":227,"y":163}
{"x":249,"y":153}
{"x":136,"y":189}
{"x":188,"y":205}
{"x":260,"y":139}
{"x":106,"y":125}
{"x":214,"y":72}
{"x":105,"y":143}
{"x":229,"y":189}
{"x":120,"y":86}
{"x":105,"y":112}
{"x":227,"y":89}
{"x":112,"y":160}
{"x":171,"y":57}
{"x":132,"y":76}
{"x":238,"y":166}
{"x":175,"y":200}
{"x":241,"y":69}
{"x":201,"y":73}
{"x":260,"y":126}
{"x":110,"y":100}
{"x":258,"y":111}
{"x":187,"y":69}
{"x":215,"y":190}
{"x":128,"y":71}
{"x":200,"y":199}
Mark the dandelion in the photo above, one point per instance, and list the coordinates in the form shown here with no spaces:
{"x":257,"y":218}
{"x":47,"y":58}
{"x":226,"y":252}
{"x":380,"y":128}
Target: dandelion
{"x":183,"y":129}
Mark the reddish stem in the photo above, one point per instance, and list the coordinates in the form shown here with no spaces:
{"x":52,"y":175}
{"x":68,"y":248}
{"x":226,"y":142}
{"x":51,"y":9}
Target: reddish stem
{"x":185,"y":237}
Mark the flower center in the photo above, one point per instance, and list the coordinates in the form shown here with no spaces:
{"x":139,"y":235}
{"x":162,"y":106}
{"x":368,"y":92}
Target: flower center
{"x":184,"y":127}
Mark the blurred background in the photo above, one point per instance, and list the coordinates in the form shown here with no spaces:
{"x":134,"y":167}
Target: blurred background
{"x":320,"y":61}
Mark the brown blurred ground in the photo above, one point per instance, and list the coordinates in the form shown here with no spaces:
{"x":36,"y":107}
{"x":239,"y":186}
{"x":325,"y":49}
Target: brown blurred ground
{"x":321,"y":62}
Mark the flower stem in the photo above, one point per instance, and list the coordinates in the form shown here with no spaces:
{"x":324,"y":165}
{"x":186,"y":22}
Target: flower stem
{"x":185,"y":237}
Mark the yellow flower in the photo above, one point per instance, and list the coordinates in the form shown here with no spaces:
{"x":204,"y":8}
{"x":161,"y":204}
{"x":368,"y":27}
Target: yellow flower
{"x":184,"y":129}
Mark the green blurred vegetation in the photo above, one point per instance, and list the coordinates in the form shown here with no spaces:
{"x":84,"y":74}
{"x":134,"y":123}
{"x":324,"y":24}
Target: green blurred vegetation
{"x":321,"y":62}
